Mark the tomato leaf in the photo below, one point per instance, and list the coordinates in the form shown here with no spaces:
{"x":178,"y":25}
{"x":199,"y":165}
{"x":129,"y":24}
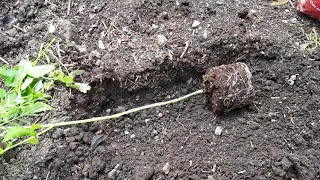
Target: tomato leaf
{"x":26,"y":83}
{"x":33,"y":109}
{"x":40,"y":71}
{"x":34,"y":140}
{"x":17,"y":132}
{"x":76,"y":73}
{"x":83,"y":87}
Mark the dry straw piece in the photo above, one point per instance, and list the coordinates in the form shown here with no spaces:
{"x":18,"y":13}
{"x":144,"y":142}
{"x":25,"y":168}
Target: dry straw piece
{"x":230,"y":86}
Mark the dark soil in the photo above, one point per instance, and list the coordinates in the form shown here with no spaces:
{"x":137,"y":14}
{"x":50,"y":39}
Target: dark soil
{"x":277,"y":137}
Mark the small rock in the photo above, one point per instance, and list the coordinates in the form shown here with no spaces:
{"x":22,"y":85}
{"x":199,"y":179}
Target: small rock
{"x":195,"y":24}
{"x":95,"y":53}
{"x":120,"y":109}
{"x":220,"y":2}
{"x":160,"y":115}
{"x":132,"y":136}
{"x":294,"y":20}
{"x":51,"y":28}
{"x":211,"y":178}
{"x":154,"y":26}
{"x":126,"y":132}
{"x":101,"y":45}
{"x":82,"y":48}
{"x":7,"y":19}
{"x":96,"y":140}
{"x":114,"y":172}
{"x":147,"y":120}
{"x":166,"y":168}
{"x":164,"y":15}
{"x":218,"y":131}
{"x":162,"y":40}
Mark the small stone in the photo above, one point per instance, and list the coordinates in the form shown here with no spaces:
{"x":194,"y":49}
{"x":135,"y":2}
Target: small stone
{"x":126,"y":132}
{"x":287,"y":11}
{"x":95,"y":53}
{"x":294,"y":20}
{"x":291,"y":82}
{"x":51,"y":28}
{"x":164,"y":15}
{"x":195,"y":24}
{"x":7,"y":19}
{"x":166,"y":168}
{"x":82,"y":49}
{"x":220,"y":2}
{"x":132,"y":136}
{"x":101,"y":45}
{"x":162,"y":40}
{"x":147,"y":120}
{"x":293,"y":77}
{"x":160,"y":115}
{"x":211,"y":178}
{"x":120,"y":109}
{"x":218,"y":131}
{"x":154,"y":26}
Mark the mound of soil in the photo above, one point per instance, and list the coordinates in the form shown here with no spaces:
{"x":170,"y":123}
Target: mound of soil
{"x":141,"y":52}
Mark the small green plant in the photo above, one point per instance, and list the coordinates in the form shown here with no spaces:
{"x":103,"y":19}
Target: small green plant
{"x":313,"y":41}
{"x":24,"y":95}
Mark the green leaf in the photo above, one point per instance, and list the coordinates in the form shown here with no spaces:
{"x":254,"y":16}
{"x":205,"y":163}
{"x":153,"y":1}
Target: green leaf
{"x":17,"y":132}
{"x":7,"y":75}
{"x":38,"y":86}
{"x":3,"y":93}
{"x":35,"y":126}
{"x":66,"y":79}
{"x":24,"y":66}
{"x":1,"y":151}
{"x":48,"y":85}
{"x":76,"y":73}
{"x":26,"y":83}
{"x":34,"y":140}
{"x":83,"y":87}
{"x":33,"y":109}
{"x":40,"y":71}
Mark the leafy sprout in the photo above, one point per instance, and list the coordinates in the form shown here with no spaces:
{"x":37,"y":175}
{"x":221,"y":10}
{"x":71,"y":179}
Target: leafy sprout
{"x":24,"y":95}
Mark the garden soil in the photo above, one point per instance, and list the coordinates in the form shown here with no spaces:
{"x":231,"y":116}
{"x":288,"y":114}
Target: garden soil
{"x":140,"y":52}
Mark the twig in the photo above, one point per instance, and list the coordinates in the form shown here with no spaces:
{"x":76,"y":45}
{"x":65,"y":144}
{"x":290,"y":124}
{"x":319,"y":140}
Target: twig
{"x":118,"y":114}
{"x":185,"y":49}
{"x":48,"y":175}
{"x":69,"y":6}
{"x":3,"y":60}
{"x":19,"y":28}
{"x":291,"y":3}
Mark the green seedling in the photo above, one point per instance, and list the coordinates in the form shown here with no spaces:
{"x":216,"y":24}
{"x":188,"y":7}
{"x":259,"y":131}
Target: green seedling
{"x":24,"y":96}
{"x":313,"y":41}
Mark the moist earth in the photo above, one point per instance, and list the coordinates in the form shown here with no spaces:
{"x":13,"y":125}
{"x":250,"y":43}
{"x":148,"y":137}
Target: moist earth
{"x":141,"y":52}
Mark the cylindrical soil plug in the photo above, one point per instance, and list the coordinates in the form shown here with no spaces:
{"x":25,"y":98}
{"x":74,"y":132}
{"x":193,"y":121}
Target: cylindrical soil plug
{"x":230,"y":86}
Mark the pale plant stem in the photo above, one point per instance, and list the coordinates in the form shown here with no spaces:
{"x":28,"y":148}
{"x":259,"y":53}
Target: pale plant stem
{"x":118,"y":114}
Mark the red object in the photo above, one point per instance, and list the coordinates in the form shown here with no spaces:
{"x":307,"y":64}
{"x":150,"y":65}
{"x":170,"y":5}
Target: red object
{"x":309,"y":7}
